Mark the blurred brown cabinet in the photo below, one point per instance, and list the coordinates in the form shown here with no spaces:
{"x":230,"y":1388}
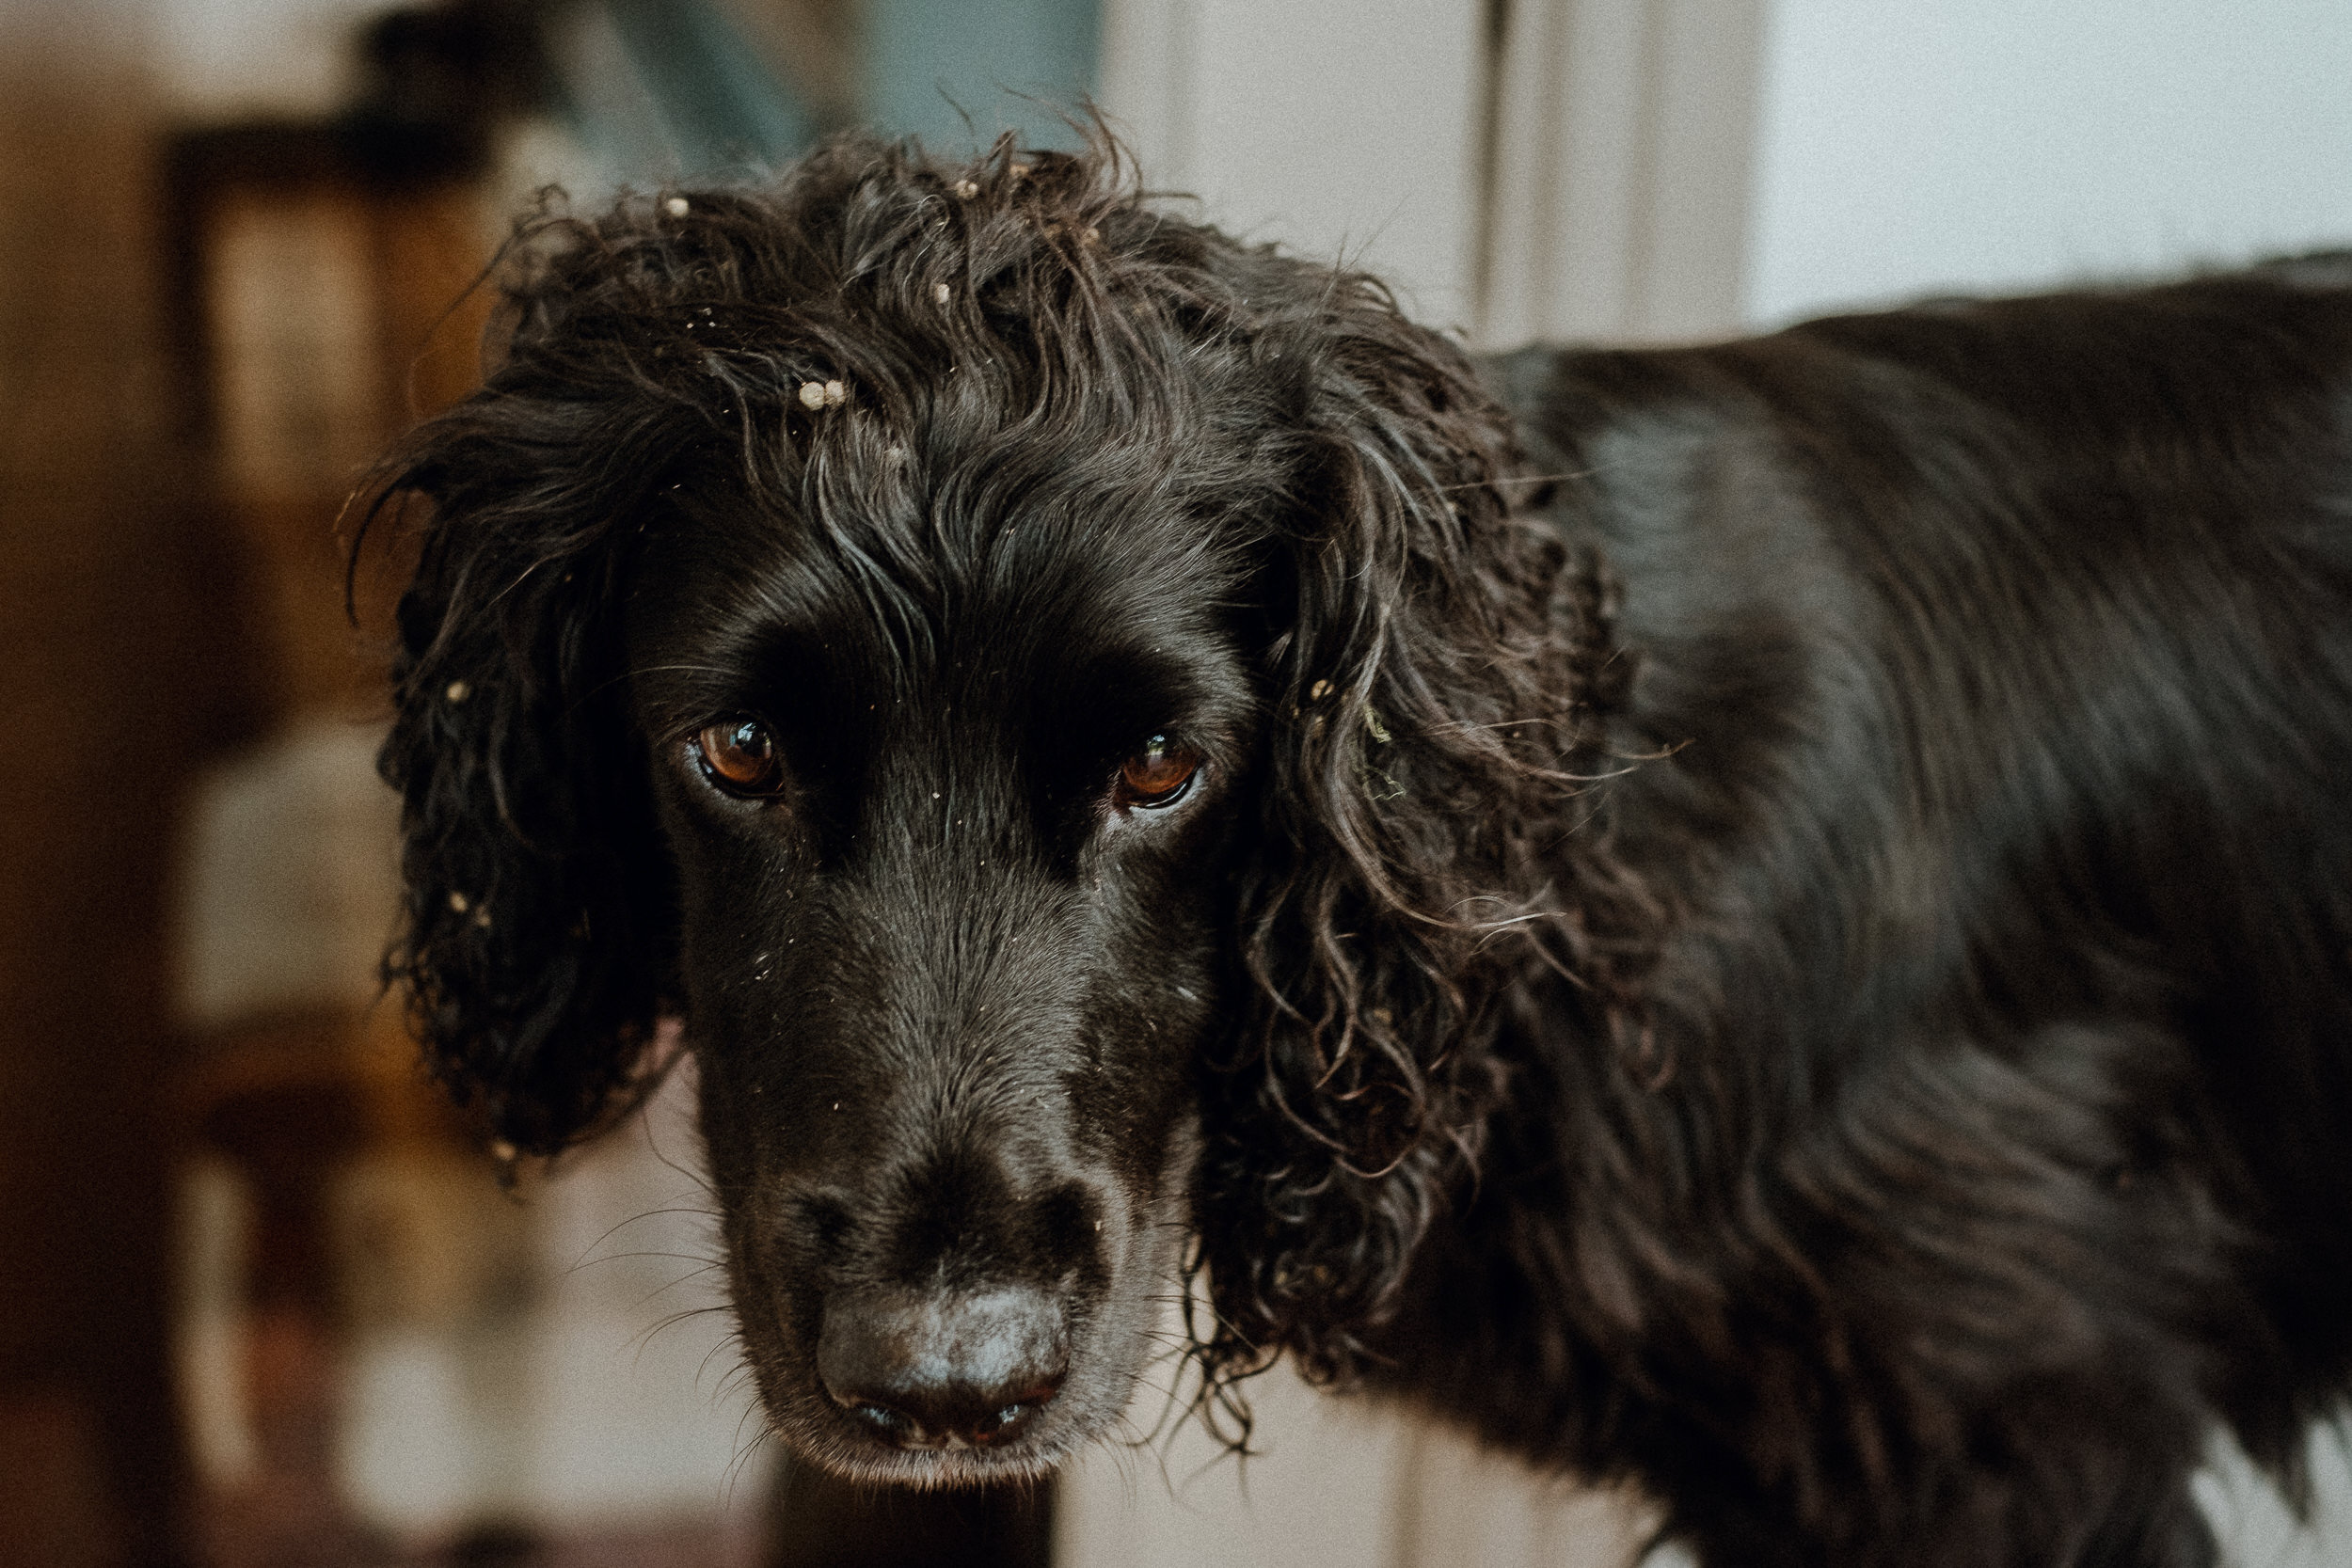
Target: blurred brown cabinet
{"x":326,"y":307}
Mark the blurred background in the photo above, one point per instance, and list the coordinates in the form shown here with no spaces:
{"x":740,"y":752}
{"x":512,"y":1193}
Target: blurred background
{"x":261,"y":1300}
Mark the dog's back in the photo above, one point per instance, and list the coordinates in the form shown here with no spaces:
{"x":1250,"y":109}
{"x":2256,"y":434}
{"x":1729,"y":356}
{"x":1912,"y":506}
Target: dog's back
{"x":1989,"y":720}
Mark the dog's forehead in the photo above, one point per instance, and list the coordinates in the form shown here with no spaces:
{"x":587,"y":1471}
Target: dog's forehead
{"x":889,"y":601}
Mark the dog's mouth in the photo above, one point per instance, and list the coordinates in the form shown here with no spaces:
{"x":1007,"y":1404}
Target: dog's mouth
{"x":1020,"y":1442}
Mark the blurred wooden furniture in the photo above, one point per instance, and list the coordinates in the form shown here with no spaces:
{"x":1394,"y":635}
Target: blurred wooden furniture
{"x":326,"y":304}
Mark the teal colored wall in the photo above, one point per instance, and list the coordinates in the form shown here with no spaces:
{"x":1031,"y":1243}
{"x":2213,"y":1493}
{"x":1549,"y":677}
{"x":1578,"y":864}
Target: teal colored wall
{"x":923,"y":59}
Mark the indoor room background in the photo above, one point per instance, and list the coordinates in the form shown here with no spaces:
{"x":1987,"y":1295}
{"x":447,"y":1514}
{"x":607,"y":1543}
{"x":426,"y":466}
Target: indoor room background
{"x":262,"y":1298}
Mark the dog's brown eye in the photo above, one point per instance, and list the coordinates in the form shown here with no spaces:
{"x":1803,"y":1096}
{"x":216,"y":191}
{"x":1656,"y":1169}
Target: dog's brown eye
{"x":739,"y":756}
{"x":1158,"y":775}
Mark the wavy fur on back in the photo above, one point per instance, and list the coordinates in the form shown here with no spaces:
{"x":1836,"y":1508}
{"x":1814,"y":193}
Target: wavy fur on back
{"x":1716,"y":893}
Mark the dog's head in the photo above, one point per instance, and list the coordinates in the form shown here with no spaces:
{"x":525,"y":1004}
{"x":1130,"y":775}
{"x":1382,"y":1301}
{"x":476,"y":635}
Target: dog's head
{"x":1053,"y":699}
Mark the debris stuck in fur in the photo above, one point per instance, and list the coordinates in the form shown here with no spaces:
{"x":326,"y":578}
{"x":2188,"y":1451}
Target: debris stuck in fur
{"x":965,"y":190}
{"x":456,"y":691}
{"x":458,"y":904}
{"x":939,"y":293}
{"x":677,"y":207}
{"x":1316,"y":692}
{"x":824,"y":394}
{"x":835,"y":394}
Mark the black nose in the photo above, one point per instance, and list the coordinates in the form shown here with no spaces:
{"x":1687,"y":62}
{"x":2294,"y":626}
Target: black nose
{"x":943,"y":1371}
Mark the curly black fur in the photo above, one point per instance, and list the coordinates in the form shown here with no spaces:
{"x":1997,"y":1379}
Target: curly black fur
{"x":1770,"y":919}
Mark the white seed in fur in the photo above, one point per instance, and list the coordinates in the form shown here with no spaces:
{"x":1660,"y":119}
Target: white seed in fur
{"x":503,"y":1151}
{"x":457,"y":903}
{"x":939,"y":293}
{"x":457,"y":691}
{"x":676,"y":207}
{"x":811,"y":394}
{"x":1316,"y":692}
{"x":835,"y":394}
{"x":965,"y":190}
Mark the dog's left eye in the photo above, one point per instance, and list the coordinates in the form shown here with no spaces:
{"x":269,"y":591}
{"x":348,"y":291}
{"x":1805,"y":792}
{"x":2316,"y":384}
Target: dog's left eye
{"x":1159,"y":775}
{"x":739,"y":756}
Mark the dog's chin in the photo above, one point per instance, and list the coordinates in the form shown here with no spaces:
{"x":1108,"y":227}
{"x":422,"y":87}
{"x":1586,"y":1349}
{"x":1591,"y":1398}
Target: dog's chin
{"x":1032,"y":1459}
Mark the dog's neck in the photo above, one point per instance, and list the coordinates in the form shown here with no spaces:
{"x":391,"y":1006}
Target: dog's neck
{"x":1602,"y":666}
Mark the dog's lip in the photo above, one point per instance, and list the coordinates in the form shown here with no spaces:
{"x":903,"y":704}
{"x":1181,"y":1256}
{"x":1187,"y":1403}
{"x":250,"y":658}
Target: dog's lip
{"x":1035,"y":1451}
{"x":925,"y":1469}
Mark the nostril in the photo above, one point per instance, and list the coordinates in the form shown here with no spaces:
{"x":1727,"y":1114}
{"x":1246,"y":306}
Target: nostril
{"x":947,"y":1424}
{"x":924,"y":1371}
{"x":887,"y":1422}
{"x":1015,"y":1413}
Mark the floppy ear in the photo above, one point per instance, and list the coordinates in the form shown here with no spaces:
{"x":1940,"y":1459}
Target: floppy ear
{"x":1426,"y":689}
{"x":538,"y":942}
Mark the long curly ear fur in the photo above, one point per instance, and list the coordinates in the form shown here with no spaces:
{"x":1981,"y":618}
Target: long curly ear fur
{"x":537,"y":923}
{"x":1430,"y":694}
{"x":536,"y":940}
{"x":538,"y":944}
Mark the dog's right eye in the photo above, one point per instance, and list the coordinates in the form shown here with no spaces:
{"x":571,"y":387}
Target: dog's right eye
{"x":1159,"y":775}
{"x":738,"y":756}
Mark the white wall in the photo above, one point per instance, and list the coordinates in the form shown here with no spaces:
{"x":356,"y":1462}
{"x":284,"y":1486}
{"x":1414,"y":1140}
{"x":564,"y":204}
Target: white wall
{"x":1355,"y":128}
{"x":1910,"y":145}
{"x":1332,"y":1482}
{"x":1340,"y":127}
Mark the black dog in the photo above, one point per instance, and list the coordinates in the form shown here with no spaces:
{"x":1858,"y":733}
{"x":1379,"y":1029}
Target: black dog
{"x":1770,"y":919}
